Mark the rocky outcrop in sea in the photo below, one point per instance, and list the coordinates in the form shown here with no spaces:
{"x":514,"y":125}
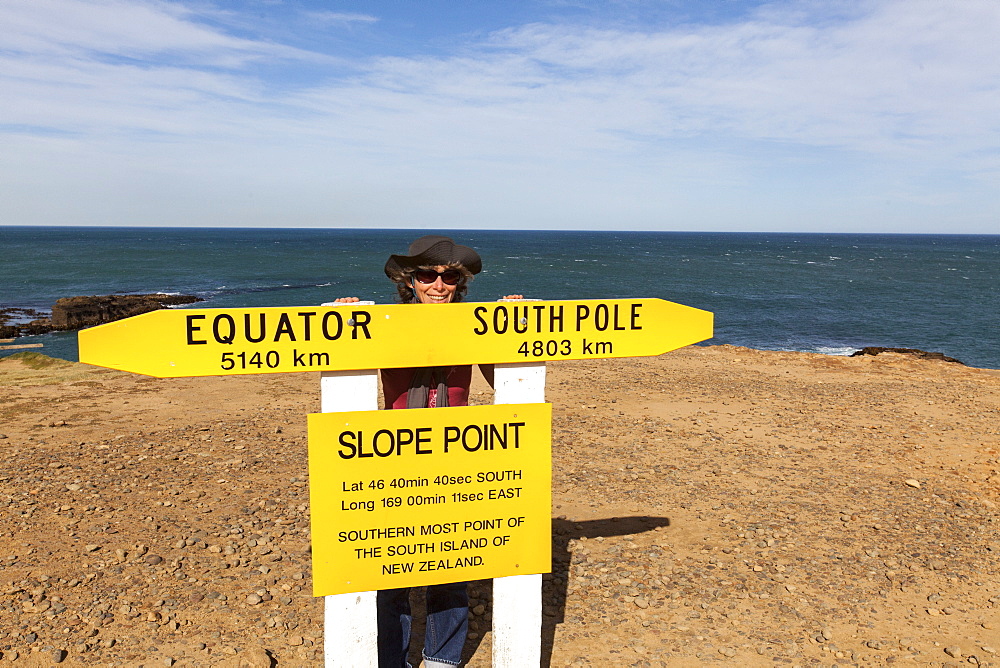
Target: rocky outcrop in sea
{"x":916,"y":352}
{"x":71,"y":313}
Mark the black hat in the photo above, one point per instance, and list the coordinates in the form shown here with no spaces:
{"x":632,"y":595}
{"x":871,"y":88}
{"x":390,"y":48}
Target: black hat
{"x":433,"y":250}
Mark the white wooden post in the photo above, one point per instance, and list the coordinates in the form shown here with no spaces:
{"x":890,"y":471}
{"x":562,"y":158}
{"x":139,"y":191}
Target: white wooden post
{"x":350,"y":634}
{"x":517,"y":600}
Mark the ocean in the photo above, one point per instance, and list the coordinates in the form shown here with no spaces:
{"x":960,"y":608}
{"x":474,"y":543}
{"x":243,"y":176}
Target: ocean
{"x":826,"y":293}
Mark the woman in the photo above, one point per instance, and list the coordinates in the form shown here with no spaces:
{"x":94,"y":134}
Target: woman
{"x":436,"y":271}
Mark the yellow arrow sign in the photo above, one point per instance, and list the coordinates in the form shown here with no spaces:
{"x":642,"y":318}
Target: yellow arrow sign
{"x":215,"y":342}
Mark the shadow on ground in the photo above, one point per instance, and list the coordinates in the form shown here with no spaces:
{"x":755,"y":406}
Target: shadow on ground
{"x":554,"y":587}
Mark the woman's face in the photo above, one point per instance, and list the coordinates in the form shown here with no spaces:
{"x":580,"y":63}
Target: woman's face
{"x":437,"y":292}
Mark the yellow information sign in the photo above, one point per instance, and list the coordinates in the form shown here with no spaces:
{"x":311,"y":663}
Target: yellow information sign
{"x":425,"y":496}
{"x":171,"y":343}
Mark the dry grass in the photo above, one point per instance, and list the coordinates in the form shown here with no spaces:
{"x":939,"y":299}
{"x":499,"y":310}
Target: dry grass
{"x":28,"y":368}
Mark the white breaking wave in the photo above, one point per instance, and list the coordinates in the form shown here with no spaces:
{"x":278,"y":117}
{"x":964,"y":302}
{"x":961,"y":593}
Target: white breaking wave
{"x":843,"y":351}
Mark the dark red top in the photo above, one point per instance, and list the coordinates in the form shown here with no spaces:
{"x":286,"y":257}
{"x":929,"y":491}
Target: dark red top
{"x":396,"y":383}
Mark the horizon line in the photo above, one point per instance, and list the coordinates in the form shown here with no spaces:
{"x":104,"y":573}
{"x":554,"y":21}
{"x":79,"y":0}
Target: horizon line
{"x":465,"y":229}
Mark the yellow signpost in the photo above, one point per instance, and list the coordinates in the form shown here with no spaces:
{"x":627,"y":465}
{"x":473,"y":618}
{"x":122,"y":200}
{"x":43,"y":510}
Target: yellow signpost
{"x":419,"y":497}
{"x":413,"y":497}
{"x":172,"y":343}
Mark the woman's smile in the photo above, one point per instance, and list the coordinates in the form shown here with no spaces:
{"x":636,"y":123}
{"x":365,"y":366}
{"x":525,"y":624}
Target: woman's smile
{"x":437,"y":292}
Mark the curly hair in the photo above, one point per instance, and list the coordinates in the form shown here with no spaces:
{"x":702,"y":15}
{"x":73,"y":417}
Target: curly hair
{"x":404,"y":280}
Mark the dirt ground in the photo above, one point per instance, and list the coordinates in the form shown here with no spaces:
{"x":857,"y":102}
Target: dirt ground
{"x":716,"y":505}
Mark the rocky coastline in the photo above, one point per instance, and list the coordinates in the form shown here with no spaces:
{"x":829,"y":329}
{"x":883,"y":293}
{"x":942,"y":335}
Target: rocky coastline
{"x":70,"y":313}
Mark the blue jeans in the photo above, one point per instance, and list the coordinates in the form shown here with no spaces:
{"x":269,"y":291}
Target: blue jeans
{"x":447,"y":624}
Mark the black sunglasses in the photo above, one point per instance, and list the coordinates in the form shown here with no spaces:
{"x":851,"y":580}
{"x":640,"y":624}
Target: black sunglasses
{"x":428,"y":276}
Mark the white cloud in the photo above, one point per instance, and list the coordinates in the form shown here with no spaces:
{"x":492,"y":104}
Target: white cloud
{"x":904,"y":75}
{"x":341,"y":17}
{"x":125,"y":28}
{"x":540,"y":120}
{"x":108,"y":67}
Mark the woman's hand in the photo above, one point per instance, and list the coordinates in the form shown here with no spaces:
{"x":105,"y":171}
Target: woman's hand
{"x":346,"y":300}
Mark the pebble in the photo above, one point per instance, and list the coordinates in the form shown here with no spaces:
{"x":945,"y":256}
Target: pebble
{"x":254,"y":599}
{"x":255,"y":657}
{"x":153,"y":559}
{"x":953,"y":651}
{"x":92,"y":548}
{"x":912,"y":483}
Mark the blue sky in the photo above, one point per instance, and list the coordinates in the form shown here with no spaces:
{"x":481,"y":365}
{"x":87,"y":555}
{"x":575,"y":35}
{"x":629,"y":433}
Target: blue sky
{"x":864,"y":116}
